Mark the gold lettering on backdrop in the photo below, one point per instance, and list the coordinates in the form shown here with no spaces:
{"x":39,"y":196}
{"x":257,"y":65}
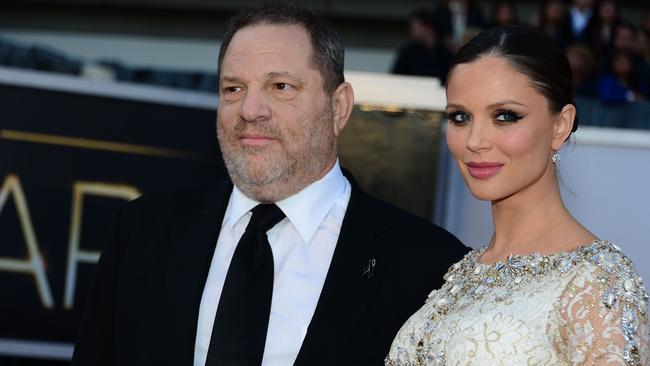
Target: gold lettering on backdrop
{"x":34,"y":263}
{"x":76,"y":254}
{"x":94,"y":144}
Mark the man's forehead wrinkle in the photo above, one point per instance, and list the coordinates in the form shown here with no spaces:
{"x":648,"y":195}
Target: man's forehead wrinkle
{"x":256,"y":52}
{"x":238,"y":56}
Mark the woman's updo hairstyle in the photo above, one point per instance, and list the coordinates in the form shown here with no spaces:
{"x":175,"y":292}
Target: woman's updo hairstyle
{"x":533,"y":54}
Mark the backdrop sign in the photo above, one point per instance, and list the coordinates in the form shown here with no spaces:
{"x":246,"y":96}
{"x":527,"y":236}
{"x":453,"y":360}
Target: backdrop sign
{"x":72,"y":151}
{"x":69,"y":157}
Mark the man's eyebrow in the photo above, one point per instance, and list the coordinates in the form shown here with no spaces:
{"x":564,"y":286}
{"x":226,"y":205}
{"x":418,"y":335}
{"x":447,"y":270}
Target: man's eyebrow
{"x":279,"y":73}
{"x":285,"y":74}
{"x":230,"y":79}
{"x":268,"y":75}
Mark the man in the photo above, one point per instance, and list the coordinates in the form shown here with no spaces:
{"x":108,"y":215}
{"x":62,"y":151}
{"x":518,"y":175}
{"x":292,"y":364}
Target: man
{"x":580,"y":14}
{"x":426,"y":53}
{"x":192,"y":278}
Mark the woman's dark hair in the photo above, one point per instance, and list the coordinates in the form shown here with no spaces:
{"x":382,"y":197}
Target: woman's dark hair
{"x":533,"y":54}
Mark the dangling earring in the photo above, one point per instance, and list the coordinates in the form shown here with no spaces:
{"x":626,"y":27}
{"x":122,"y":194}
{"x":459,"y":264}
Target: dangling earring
{"x":555,"y":158}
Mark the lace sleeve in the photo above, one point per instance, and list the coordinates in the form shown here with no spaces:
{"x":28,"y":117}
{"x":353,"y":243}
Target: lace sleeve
{"x":603,"y":314}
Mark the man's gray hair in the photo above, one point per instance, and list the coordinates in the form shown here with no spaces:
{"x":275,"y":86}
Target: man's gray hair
{"x":329,"y":53}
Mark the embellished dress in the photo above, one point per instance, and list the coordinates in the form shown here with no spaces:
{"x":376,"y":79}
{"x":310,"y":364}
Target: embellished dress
{"x":584,"y":307}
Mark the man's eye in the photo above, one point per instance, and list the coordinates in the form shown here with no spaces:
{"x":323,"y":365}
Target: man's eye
{"x":457,"y":117}
{"x":282,"y":86}
{"x":232,"y":89}
{"x":507,"y":116}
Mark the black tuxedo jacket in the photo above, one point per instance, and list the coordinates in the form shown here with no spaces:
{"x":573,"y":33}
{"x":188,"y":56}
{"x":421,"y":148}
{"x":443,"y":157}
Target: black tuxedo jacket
{"x":143,"y":308}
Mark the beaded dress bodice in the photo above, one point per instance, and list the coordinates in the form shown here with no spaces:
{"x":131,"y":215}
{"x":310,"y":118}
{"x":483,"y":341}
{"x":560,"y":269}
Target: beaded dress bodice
{"x":586,"y":306}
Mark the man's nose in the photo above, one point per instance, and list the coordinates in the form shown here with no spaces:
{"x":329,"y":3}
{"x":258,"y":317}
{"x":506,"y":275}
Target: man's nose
{"x":254,"y":107}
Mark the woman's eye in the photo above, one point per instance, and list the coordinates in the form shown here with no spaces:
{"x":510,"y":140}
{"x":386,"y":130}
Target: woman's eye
{"x":507,"y":116}
{"x":457,"y":117}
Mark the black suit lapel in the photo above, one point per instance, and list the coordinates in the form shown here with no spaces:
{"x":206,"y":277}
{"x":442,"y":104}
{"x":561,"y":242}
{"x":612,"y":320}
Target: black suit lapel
{"x":191,"y":249}
{"x":354,"y":273}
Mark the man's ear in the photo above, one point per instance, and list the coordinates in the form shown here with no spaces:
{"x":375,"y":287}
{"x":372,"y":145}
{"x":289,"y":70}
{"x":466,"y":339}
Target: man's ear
{"x":342,"y":104}
{"x":563,"y":126}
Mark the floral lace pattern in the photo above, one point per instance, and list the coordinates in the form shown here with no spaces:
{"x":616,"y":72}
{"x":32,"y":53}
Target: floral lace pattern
{"x":584,"y":307}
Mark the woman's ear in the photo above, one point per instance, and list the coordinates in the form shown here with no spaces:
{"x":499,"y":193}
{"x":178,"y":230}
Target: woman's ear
{"x":563,"y":126}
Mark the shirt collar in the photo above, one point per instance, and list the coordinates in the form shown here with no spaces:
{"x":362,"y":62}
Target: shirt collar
{"x":306,"y":209}
{"x":239,"y":206}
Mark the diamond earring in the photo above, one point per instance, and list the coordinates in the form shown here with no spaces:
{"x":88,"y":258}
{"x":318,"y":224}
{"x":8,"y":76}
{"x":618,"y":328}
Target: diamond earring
{"x":555,"y":158}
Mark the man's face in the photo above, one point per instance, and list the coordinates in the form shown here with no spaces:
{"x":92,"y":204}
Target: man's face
{"x":274,"y":121}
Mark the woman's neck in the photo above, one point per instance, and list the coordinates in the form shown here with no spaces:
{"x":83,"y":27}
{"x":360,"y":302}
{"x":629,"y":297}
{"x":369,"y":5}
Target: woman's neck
{"x":534,"y":220}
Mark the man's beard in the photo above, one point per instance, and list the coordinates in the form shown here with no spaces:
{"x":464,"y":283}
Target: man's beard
{"x":272,"y":173}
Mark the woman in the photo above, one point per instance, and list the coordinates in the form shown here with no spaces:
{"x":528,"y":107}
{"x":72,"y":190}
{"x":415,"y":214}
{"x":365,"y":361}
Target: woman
{"x":620,"y":85}
{"x":545,"y":290}
{"x":583,"y":67}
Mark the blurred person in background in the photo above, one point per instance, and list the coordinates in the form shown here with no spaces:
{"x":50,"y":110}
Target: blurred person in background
{"x":580,"y":14}
{"x":620,"y":85}
{"x":643,"y":37}
{"x":426,"y":54}
{"x":554,"y":21}
{"x":599,"y":33}
{"x":583,"y":70}
{"x":453,"y":17}
{"x":503,"y":14}
{"x":626,"y":39}
{"x":643,"y":47}
{"x":644,"y":26}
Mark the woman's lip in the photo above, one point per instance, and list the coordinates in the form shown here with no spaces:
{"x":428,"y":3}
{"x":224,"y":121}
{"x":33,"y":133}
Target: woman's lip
{"x":483,"y":170}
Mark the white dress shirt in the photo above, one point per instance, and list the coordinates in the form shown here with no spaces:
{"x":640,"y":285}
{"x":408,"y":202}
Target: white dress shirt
{"x":302,"y":243}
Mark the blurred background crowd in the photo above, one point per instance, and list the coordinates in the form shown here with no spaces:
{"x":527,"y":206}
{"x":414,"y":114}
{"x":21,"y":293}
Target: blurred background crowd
{"x":608,"y":51}
{"x":609,"y":56}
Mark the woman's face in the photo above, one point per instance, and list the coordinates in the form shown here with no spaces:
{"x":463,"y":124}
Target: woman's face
{"x":500,"y":129}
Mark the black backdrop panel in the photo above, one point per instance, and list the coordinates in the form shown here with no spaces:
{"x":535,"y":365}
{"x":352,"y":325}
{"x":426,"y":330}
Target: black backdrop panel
{"x":53,"y":143}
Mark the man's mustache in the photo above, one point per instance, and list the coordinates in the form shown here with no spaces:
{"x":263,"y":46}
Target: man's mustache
{"x":259,"y":128}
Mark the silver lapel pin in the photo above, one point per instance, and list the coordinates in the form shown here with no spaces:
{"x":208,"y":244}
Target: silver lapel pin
{"x":369,"y":270}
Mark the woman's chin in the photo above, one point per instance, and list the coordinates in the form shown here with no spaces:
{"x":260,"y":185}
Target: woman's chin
{"x":485,"y":195}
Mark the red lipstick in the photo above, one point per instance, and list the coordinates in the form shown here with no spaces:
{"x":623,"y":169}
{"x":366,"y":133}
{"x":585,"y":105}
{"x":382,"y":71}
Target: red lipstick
{"x":483,"y":169}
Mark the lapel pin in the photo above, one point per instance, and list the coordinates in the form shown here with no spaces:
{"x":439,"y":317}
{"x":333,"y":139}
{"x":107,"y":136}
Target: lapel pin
{"x":369,"y":270}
